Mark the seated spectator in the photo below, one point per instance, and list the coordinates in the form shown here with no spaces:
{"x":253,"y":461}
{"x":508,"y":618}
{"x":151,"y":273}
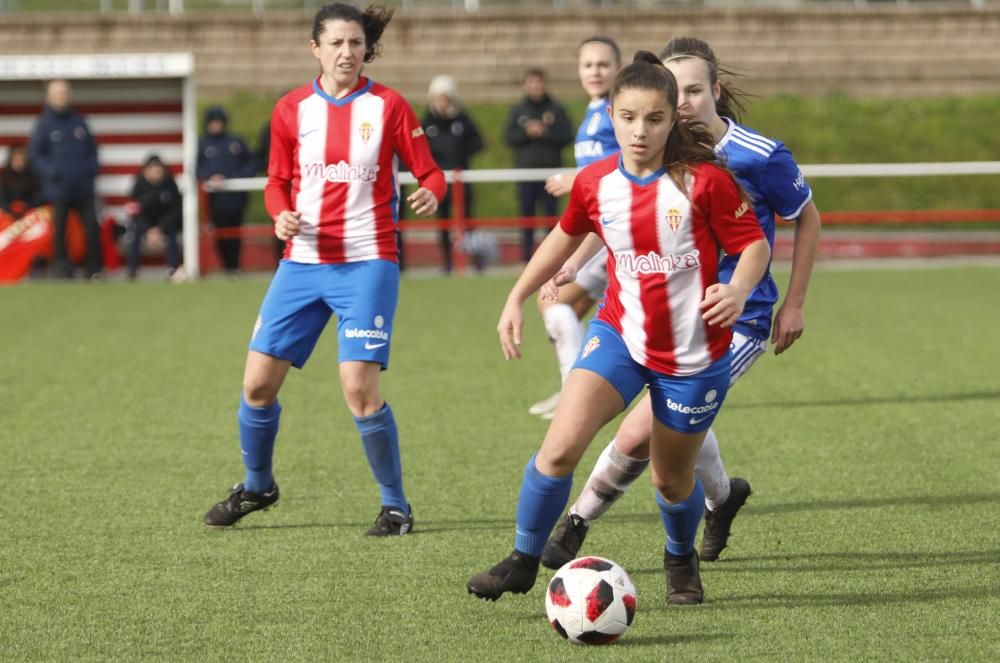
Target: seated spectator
{"x":20,"y":189}
{"x":155,"y":203}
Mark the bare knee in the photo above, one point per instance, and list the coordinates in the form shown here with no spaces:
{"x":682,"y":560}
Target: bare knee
{"x":556,"y":460}
{"x":362,"y":396}
{"x":674,"y":486}
{"x":259,"y":393}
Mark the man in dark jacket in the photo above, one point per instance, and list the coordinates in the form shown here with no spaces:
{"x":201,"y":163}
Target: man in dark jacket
{"x":64,"y":154}
{"x":222,"y":155}
{"x":155,"y":202}
{"x":538,"y":129}
{"x":454,"y":139}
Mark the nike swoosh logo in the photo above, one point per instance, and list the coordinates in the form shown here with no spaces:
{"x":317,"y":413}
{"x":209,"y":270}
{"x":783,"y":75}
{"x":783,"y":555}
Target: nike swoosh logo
{"x":695,"y":421}
{"x":605,"y":221}
{"x":371,"y":346}
{"x":306,"y":133}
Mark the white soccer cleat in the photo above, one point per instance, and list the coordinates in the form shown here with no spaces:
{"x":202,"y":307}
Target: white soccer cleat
{"x":546,"y":406}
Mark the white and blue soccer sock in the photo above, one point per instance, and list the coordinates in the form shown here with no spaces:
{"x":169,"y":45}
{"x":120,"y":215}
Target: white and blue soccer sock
{"x":681,"y":520}
{"x":539,"y":506}
{"x":258,"y":430}
{"x":381,"y":441}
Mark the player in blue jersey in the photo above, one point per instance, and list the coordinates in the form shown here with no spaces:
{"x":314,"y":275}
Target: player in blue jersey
{"x":767,"y":171}
{"x":598,"y":62}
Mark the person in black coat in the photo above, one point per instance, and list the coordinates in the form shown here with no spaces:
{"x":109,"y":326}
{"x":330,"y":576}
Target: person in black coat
{"x":538,"y":128}
{"x":454,"y":139}
{"x":155,"y":202}
{"x":20,"y":188}
{"x":64,"y":154}
{"x":222,"y":155}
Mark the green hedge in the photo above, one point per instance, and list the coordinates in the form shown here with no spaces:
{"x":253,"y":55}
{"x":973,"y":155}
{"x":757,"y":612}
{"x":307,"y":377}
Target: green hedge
{"x":832,"y":129}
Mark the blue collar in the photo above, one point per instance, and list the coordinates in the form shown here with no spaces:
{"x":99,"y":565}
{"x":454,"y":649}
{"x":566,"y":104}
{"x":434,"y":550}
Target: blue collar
{"x":641,"y":181}
{"x":345,"y":100}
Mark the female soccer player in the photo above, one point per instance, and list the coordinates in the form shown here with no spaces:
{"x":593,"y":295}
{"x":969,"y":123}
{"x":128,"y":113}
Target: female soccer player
{"x":766,"y":169}
{"x":598,"y":62}
{"x":332,"y":193}
{"x":665,"y":209}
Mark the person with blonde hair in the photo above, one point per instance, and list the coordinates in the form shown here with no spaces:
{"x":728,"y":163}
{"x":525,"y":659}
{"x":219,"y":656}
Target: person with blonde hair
{"x":454,"y":139}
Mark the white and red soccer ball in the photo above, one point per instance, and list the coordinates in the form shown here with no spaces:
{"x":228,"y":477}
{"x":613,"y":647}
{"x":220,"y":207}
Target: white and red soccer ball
{"x":590,"y":600}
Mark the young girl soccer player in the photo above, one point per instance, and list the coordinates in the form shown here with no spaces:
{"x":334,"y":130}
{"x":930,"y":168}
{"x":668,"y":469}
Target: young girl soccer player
{"x":598,"y":62}
{"x":766,"y":169}
{"x":665,"y":210}
{"x":332,"y":193}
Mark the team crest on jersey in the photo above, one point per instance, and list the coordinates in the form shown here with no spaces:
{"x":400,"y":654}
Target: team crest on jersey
{"x":366,"y":130}
{"x":674,"y":219}
{"x":592,"y":344}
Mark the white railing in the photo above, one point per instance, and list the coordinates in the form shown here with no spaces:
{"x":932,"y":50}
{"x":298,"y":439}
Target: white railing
{"x":813,"y":170}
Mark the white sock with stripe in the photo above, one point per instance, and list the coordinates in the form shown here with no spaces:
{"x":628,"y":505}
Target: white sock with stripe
{"x":564,"y":330}
{"x":711,"y":472}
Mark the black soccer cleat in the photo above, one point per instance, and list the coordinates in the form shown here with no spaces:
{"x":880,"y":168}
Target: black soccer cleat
{"x":515,"y":574}
{"x":683,"y":579}
{"x":565,"y":541}
{"x":239,"y":503}
{"x":718,"y":523}
{"x":391,"y":521}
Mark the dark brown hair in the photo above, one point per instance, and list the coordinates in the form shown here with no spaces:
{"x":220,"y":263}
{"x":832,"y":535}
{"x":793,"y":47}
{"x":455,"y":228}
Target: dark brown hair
{"x":607,"y":41}
{"x":688,"y":143}
{"x":372,"y":20}
{"x":732,"y":100}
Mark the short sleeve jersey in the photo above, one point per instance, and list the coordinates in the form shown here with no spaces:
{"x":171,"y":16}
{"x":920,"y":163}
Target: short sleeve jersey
{"x":766,"y":170}
{"x":595,"y":139}
{"x":336,"y":162}
{"x":663,"y":252}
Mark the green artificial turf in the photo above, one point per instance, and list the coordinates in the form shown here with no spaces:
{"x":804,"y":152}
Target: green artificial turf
{"x":872,"y":447}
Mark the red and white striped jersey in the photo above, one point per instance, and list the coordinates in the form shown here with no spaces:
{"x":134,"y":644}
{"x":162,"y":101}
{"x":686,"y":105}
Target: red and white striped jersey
{"x":663,"y":252}
{"x":336,"y":162}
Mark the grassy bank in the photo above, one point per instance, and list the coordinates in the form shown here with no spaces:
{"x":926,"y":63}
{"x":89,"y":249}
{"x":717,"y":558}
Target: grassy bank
{"x":832,"y":129}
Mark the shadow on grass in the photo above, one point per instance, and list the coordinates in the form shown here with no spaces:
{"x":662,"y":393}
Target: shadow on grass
{"x":420,"y":527}
{"x":630,"y":640}
{"x":840,"y":561}
{"x":884,"y":400}
{"x":870,"y":599}
{"x":755,"y":508}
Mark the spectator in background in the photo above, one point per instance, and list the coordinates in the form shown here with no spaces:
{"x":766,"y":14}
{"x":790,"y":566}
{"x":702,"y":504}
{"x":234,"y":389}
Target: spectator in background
{"x":20,"y":189}
{"x":538,"y":129}
{"x":155,"y":203}
{"x":63,"y":152}
{"x":454,"y":139}
{"x":222,"y":155}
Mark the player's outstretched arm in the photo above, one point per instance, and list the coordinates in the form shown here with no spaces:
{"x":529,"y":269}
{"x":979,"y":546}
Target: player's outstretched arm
{"x":789,"y":322}
{"x":724,"y":302}
{"x":567,"y":273}
{"x":551,"y":254}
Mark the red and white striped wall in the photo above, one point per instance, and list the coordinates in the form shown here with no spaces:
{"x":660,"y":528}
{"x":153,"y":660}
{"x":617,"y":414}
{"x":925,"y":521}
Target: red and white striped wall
{"x":136,"y":105}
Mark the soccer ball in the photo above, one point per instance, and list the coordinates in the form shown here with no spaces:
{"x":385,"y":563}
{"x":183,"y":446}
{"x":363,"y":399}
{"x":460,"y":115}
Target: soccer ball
{"x":591,"y":601}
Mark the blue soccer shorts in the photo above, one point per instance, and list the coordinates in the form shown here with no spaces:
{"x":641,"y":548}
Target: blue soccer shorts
{"x":746,"y":349}
{"x":302,"y":296}
{"x":682,"y":403}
